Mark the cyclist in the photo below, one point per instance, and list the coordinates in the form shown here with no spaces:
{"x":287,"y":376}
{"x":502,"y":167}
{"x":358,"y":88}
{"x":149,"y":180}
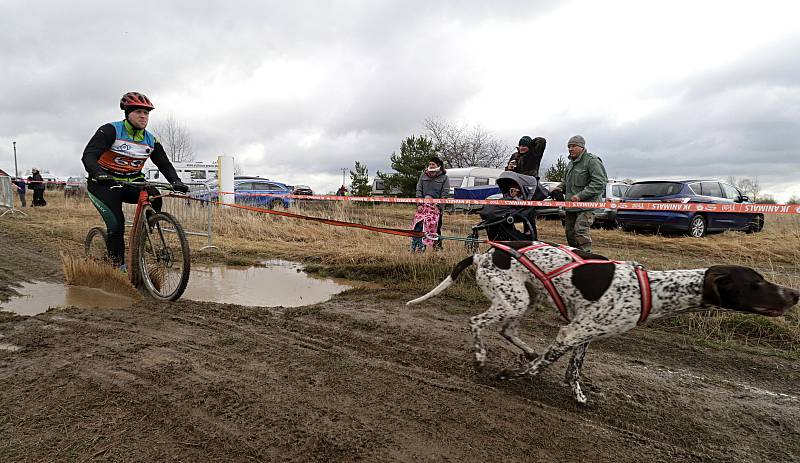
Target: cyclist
{"x":114,"y":156}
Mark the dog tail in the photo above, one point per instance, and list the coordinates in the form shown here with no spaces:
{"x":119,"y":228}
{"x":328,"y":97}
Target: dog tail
{"x":447,"y":281}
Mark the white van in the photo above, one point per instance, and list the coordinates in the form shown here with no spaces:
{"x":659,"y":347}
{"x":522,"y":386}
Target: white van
{"x":472,"y":176}
{"x":189,"y":172}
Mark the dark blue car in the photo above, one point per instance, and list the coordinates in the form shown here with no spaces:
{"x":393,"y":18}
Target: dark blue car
{"x":260,"y":192}
{"x":695,"y":224}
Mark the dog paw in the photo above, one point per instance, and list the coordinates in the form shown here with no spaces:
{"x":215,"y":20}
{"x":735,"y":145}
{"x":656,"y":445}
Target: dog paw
{"x":526,"y":358}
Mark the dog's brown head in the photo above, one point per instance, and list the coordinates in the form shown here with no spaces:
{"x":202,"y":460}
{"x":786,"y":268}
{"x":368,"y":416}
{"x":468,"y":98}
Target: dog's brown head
{"x":743,"y":289}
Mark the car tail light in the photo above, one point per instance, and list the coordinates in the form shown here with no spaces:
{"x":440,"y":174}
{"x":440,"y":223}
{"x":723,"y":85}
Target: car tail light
{"x":676,"y":200}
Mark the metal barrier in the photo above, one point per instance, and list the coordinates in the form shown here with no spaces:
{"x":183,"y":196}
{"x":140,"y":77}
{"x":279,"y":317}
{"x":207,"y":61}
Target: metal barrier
{"x":195,"y":216}
{"x":7,"y":193}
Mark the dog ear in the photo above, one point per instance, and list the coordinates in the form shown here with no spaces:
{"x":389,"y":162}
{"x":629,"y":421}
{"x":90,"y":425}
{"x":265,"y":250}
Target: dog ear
{"x":715,"y":276}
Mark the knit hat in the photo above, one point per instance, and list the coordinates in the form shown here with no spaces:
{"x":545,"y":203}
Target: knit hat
{"x":438,"y":161}
{"x":525,"y":141}
{"x":577,"y":140}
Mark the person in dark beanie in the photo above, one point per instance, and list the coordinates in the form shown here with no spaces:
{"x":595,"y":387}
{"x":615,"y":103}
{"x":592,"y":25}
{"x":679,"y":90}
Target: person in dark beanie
{"x":528,"y":156}
{"x":36,"y":183}
{"x":585,"y":180}
{"x":433,"y":183}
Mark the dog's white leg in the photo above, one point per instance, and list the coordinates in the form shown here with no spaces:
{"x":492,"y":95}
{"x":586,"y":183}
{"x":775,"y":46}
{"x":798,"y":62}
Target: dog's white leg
{"x":480,"y":322}
{"x":568,"y":338}
{"x":510,"y":300}
{"x":510,"y":333}
{"x":573,"y":374}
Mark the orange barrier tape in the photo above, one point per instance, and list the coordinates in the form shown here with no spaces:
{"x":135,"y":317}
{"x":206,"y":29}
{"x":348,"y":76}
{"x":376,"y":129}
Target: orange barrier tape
{"x":646,"y":206}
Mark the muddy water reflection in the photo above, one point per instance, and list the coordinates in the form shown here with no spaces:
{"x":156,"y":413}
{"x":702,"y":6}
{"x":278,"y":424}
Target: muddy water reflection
{"x":37,"y":297}
{"x":276,"y":283}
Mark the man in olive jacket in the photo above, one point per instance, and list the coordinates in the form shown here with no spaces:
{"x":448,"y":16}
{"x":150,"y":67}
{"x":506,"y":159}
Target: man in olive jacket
{"x":585,"y":180}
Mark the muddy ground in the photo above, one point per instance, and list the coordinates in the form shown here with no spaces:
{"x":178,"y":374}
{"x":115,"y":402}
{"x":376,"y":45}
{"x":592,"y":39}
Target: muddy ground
{"x":362,"y":378}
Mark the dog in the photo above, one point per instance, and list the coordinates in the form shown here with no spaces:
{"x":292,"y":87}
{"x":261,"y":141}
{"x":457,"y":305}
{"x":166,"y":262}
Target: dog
{"x":600,"y":299}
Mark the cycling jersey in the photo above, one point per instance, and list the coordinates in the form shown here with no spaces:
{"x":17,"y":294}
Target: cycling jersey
{"x":120,"y":150}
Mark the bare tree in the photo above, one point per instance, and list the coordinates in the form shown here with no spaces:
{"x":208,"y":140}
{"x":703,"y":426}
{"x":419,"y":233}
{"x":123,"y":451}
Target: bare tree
{"x":238,"y":168}
{"x":464,"y":146}
{"x":175,"y":138}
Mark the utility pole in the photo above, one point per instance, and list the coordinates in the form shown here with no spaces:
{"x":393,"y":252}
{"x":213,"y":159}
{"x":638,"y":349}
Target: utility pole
{"x":344,"y":170}
{"x":16,"y":171}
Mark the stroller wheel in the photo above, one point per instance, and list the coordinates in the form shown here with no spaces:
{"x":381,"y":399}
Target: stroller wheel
{"x":472,"y":243}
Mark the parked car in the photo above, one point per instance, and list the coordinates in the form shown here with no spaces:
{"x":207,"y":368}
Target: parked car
{"x":75,"y":187}
{"x":696,"y":224}
{"x":269,"y":193}
{"x":302,"y":190}
{"x":607,"y":218}
{"x":546,"y":212}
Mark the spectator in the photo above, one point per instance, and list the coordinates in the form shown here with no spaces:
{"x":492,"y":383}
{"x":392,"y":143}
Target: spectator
{"x":342,"y":191}
{"x":37,"y":185}
{"x":433,"y":183}
{"x":20,"y":184}
{"x":528,"y":156}
{"x":585,"y":180}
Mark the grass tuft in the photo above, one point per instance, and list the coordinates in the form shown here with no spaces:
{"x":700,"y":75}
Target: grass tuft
{"x":82,"y":271}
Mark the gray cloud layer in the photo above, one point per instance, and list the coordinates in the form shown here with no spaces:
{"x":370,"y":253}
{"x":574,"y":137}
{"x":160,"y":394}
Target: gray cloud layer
{"x":375,"y":70}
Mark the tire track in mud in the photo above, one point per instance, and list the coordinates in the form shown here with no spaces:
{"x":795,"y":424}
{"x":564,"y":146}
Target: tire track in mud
{"x":596,"y":416}
{"x":454,"y":381}
{"x":355,"y":379}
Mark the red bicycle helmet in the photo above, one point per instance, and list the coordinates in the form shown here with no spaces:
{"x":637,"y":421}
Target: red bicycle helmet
{"x":135,"y":99}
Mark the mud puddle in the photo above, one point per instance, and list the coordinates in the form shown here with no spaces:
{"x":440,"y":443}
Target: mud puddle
{"x":37,"y":297}
{"x":275,"y":283}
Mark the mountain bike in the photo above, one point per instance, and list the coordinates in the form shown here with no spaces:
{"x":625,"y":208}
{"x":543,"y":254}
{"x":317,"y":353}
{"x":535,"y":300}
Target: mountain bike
{"x":158,"y":252}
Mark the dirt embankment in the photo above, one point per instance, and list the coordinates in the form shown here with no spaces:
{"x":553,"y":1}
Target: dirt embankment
{"x":362,"y":377}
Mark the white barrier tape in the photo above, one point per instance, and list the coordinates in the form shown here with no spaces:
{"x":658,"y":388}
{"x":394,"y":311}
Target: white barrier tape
{"x":646,"y":206}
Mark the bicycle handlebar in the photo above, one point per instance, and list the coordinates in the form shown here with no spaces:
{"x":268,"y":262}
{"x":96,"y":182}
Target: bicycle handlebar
{"x":144,"y":184}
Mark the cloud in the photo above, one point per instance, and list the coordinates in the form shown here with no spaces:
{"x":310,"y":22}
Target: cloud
{"x":299,"y":90}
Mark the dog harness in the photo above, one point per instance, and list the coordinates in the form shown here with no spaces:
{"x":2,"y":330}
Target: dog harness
{"x":547,"y":277}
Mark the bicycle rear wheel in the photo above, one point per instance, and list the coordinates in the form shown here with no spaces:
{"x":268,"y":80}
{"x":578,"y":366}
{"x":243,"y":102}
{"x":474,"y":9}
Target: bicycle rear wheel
{"x":95,"y":244}
{"x":163,"y":257}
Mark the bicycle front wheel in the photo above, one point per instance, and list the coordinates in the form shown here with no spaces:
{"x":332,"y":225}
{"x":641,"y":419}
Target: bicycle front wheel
{"x":163,"y":257}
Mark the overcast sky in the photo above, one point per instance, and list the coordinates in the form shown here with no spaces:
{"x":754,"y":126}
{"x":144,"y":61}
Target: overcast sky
{"x":297,"y":90}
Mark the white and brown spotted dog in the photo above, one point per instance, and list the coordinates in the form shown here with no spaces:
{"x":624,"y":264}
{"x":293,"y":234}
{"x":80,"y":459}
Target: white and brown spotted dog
{"x":601,"y":300}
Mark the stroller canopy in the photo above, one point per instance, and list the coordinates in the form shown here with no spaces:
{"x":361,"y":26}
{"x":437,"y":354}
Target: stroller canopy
{"x":526,"y":183}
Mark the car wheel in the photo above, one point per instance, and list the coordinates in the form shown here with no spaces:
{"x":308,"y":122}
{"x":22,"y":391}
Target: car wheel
{"x":609,"y":224}
{"x":756,"y":225}
{"x":697,"y":226}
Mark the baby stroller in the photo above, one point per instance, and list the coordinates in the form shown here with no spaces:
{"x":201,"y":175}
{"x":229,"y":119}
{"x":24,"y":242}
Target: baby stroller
{"x":499,"y":221}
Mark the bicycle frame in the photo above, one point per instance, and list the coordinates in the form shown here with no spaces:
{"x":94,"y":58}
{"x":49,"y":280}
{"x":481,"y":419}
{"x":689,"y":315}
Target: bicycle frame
{"x":142,"y":204}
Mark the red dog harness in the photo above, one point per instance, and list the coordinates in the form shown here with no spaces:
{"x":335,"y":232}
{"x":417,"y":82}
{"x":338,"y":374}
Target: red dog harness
{"x":547,"y":277}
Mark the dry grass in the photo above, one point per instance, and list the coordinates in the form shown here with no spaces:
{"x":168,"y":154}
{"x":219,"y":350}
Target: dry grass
{"x":353,"y":253}
{"x":81,"y":271}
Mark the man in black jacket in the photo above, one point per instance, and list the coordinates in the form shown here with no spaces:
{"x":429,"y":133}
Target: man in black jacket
{"x":115,"y":156}
{"x":36,"y":183}
{"x":528,"y":156}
